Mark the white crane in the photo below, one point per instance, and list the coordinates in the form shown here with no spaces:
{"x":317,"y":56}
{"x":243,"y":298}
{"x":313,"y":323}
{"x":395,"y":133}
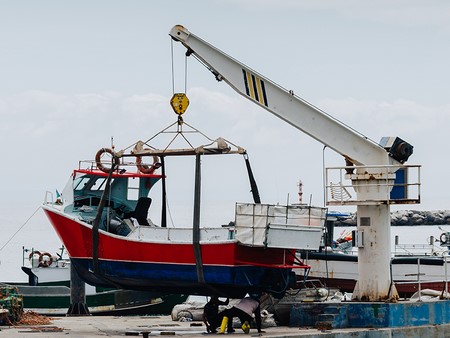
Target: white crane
{"x":375,"y":165}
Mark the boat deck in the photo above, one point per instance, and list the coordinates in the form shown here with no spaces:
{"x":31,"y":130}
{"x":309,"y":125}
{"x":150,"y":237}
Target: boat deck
{"x":88,"y":326}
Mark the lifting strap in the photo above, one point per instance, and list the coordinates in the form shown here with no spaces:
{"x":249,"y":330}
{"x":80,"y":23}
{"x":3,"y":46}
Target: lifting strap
{"x":98,"y":216}
{"x":253,"y":185}
{"x":164,"y":194}
{"x":196,"y":222}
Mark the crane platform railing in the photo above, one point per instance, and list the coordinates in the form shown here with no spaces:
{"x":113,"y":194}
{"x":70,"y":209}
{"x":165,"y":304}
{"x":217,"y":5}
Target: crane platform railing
{"x":404,"y":189}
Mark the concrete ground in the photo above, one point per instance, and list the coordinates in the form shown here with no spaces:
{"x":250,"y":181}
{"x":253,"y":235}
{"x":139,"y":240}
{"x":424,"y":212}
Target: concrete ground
{"x":90,"y":326}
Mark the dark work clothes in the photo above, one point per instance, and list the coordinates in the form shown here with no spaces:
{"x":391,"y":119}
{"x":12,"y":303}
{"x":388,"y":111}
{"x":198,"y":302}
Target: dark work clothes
{"x":243,"y":311}
{"x":211,"y":316}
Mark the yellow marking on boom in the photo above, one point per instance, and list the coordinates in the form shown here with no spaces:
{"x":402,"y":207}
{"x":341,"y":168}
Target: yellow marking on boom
{"x":260,"y":92}
{"x":250,"y":85}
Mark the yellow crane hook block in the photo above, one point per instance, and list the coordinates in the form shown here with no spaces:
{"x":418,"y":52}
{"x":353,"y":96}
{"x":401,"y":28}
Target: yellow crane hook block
{"x":179,"y":103}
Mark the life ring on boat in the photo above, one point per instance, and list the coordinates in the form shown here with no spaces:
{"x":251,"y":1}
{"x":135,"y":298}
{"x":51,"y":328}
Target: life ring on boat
{"x":444,"y":238}
{"x":146,"y":169}
{"x":98,"y":159}
{"x":45,"y":263}
{"x":32,"y":253}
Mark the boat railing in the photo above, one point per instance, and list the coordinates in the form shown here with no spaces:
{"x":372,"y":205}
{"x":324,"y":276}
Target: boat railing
{"x":125,"y":166}
{"x":313,"y":283}
{"x":401,"y":183}
{"x":416,"y":249}
{"x":48,"y":199}
{"x":183,"y":235}
{"x":419,"y":274}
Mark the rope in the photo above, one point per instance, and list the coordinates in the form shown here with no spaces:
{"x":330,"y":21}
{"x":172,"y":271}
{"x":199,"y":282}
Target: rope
{"x":173,"y":69}
{"x":170,"y":213}
{"x":185,"y":73}
{"x":9,"y":240}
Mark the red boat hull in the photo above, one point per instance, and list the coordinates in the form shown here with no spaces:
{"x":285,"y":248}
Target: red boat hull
{"x":228,"y":268}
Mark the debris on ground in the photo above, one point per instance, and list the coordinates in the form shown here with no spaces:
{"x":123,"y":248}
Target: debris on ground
{"x":33,"y":318}
{"x":42,"y":329}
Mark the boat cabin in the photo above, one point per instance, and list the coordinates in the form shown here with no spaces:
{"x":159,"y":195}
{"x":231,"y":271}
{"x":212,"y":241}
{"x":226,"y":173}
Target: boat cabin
{"x":127,"y":201}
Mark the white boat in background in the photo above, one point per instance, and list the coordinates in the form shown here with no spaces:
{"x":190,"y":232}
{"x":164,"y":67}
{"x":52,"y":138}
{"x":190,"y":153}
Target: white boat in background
{"x":414,"y":267}
{"x":48,"y":291}
{"x":45,"y":269}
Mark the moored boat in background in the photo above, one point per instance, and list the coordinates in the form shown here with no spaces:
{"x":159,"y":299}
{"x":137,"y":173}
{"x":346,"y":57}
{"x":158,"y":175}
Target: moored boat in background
{"x":48,"y":291}
{"x":414,"y":267}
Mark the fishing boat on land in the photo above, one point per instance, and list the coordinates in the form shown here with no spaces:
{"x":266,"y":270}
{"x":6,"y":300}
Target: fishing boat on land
{"x":48,"y":291}
{"x":112,"y":242}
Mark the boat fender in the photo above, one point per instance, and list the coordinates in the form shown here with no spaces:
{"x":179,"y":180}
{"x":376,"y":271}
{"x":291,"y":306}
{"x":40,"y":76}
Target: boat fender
{"x":145,"y":169}
{"x":98,"y":159}
{"x":45,"y":262}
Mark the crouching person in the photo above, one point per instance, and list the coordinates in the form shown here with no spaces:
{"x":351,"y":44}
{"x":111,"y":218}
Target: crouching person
{"x":211,"y":316}
{"x":244,"y":311}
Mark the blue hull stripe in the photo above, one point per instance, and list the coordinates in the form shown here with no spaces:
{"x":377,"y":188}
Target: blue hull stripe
{"x":156,"y":276}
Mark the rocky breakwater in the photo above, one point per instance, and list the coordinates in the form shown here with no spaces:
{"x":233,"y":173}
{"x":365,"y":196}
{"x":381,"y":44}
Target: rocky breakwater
{"x":405,"y":217}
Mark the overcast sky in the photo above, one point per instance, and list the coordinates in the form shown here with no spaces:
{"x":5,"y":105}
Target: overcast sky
{"x":73,"y":74}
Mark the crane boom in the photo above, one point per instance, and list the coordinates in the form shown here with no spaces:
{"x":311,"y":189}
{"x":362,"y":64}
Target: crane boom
{"x":284,"y":104}
{"x":376,"y":163}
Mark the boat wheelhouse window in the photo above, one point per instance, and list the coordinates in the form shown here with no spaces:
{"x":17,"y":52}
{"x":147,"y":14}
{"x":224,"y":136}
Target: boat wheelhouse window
{"x":95,"y":201}
{"x":80,"y":183}
{"x":92,"y":202}
{"x":90,"y":183}
{"x":84,"y":201}
{"x":99,"y":184}
{"x":133,"y":189}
